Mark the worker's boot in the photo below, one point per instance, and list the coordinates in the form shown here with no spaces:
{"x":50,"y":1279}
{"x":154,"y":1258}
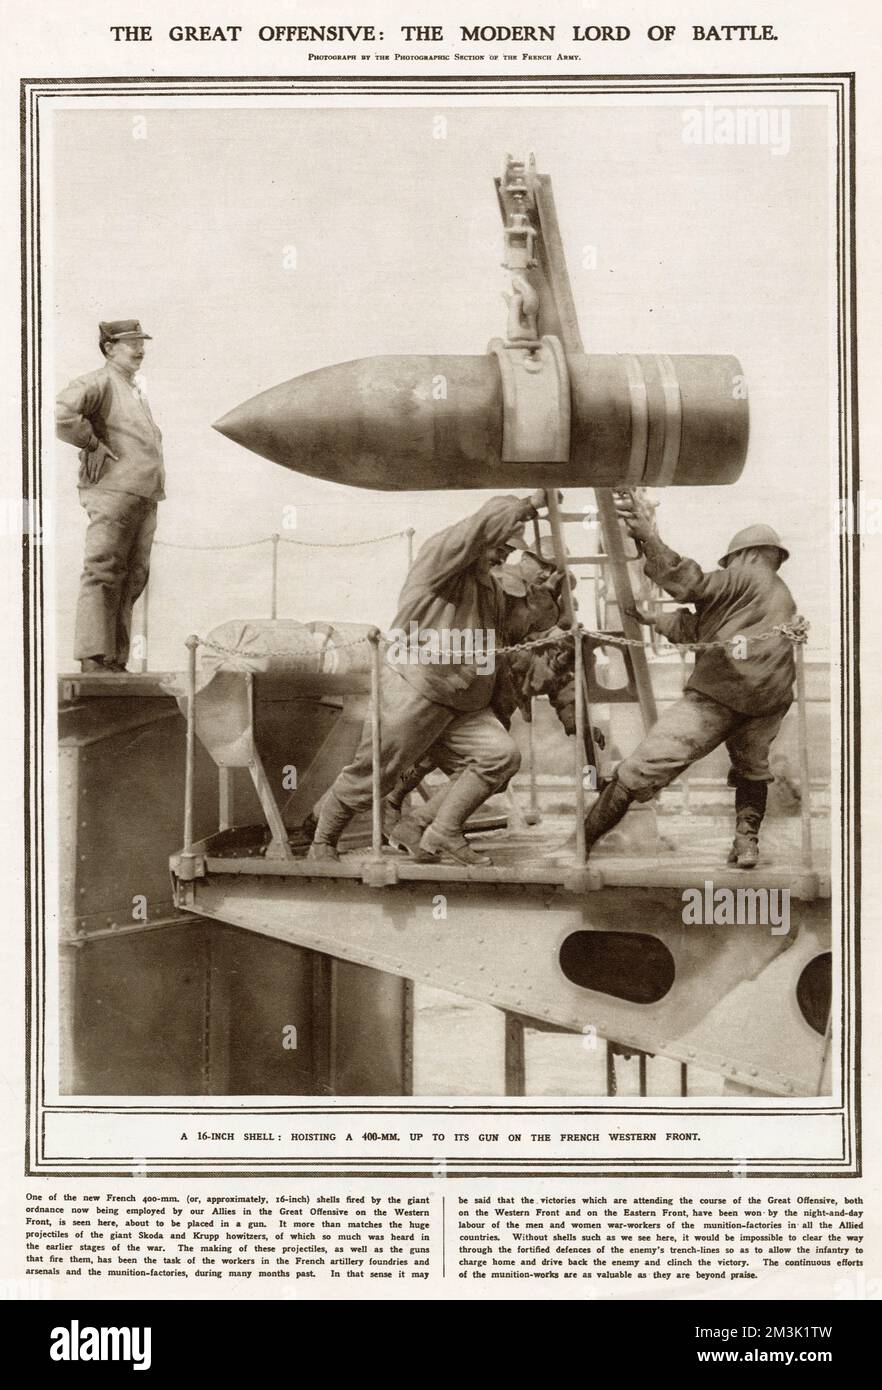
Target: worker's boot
{"x":409,"y":828}
{"x":92,"y":664}
{"x":401,"y":829}
{"x":445,"y":834}
{"x":750,"y":808}
{"x":333,"y":820}
{"x":607,"y":811}
{"x":406,"y":783}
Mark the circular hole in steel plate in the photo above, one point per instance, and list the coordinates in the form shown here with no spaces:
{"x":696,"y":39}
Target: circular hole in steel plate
{"x":814,"y":990}
{"x":627,"y":965}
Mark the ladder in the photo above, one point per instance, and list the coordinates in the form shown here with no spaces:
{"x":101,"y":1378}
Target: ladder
{"x":526,"y":200}
{"x":616,"y":566}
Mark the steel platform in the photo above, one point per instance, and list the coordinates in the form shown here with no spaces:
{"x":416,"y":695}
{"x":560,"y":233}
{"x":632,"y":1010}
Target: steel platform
{"x":538,"y":855}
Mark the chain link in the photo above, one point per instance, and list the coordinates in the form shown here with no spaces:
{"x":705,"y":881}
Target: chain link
{"x":291,"y":651}
{"x":795,"y":632}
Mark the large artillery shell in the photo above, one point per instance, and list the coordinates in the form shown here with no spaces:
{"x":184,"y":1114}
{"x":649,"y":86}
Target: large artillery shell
{"x":425,"y":423}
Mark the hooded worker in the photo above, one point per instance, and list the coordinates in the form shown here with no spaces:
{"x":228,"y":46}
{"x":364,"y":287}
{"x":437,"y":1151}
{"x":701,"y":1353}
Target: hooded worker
{"x":738,"y":693}
{"x":531,"y":607}
{"x":437,"y":684}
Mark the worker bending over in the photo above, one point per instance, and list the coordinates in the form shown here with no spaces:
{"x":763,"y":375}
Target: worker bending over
{"x":442,"y":704}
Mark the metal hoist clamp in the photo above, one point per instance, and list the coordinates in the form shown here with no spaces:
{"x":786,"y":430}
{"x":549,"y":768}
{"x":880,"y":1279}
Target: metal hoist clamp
{"x":533,"y":369}
{"x":535,"y":401}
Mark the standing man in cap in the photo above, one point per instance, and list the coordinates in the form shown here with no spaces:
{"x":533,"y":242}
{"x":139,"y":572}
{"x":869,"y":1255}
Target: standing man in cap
{"x":106,"y":416}
{"x":737,"y":694}
{"x":441,"y":704}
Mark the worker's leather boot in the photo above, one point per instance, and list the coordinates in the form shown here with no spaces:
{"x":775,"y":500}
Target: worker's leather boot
{"x":333,"y":820}
{"x":406,"y":834}
{"x":445,"y":834}
{"x":408,"y":830}
{"x":92,"y":664}
{"x":607,"y":811}
{"x":407,"y":782}
{"x":750,"y":808}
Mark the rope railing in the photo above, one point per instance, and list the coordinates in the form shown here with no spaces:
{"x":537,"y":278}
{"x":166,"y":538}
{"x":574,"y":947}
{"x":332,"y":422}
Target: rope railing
{"x":288,"y":540}
{"x":274,"y":540}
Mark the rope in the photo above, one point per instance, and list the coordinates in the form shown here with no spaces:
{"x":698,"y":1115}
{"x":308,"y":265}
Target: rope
{"x":288,"y":540}
{"x":240,"y":545}
{"x":343,"y":545}
{"x":795,"y":632}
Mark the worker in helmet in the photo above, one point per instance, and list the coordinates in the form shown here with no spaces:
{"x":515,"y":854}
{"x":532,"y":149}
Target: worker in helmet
{"x":737,"y":694}
{"x":441,"y":703}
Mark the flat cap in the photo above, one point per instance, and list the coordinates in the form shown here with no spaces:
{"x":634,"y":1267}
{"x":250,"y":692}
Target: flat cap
{"x":118,"y":330}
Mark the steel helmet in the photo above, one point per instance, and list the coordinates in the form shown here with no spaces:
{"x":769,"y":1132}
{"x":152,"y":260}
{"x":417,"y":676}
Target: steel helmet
{"x":750,"y":537}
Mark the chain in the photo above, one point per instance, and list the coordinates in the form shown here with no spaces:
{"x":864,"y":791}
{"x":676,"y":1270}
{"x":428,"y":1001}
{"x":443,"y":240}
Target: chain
{"x":288,"y":540}
{"x":244,"y":653}
{"x":795,"y":632}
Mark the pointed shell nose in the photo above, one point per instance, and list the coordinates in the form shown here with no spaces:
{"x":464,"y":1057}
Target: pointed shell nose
{"x":392,"y":423}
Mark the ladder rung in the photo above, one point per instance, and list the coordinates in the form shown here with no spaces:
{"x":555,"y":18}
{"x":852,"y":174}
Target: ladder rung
{"x":596,"y":559}
{"x":575,"y":516}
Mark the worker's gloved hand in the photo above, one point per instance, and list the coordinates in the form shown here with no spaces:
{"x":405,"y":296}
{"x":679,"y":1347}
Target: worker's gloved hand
{"x":93,"y":461}
{"x":553,"y":581}
{"x":638,"y":513}
{"x":539,"y":499}
{"x":639,"y":617}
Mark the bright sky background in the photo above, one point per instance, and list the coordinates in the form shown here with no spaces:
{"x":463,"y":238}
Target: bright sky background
{"x":397,"y":237}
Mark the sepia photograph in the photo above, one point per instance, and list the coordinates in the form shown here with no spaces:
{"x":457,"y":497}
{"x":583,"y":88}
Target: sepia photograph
{"x":446,"y":618}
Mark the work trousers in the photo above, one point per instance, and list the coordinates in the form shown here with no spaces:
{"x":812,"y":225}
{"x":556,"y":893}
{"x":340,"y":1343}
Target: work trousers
{"x":691,"y":729}
{"x":115,"y":569}
{"x":410,"y":725}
